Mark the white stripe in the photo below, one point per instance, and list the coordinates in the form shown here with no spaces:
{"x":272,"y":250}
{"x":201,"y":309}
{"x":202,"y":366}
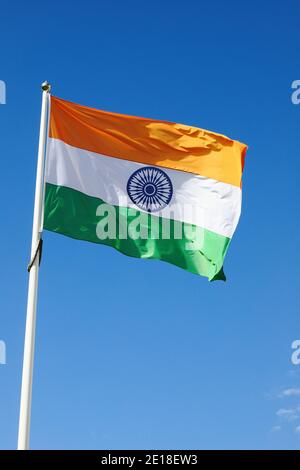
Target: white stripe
{"x":197,"y":200}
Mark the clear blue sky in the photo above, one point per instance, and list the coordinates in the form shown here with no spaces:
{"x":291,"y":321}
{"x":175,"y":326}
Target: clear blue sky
{"x":140,"y":354}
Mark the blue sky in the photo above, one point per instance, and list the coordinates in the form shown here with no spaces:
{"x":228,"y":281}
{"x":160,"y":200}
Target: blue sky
{"x":134,"y":354}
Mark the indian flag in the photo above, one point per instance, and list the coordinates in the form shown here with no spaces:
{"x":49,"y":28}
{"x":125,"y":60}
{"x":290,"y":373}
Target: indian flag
{"x":149,"y":188}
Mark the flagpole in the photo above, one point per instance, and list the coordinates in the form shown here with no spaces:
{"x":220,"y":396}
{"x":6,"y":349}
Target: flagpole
{"x":33,"y":268}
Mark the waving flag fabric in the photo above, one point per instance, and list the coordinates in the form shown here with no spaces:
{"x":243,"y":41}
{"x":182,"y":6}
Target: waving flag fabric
{"x":149,"y":188}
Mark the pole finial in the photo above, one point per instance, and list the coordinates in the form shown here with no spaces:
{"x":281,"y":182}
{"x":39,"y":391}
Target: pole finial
{"x":46,"y":86}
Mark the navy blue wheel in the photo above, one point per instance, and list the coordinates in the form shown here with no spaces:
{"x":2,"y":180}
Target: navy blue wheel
{"x":150,"y":188}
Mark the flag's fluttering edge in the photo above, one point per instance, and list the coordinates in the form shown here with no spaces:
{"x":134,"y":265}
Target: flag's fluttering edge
{"x":150,"y":189}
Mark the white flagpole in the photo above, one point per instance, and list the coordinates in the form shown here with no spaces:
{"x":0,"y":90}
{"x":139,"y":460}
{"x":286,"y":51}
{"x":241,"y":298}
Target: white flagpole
{"x":28,"y":359}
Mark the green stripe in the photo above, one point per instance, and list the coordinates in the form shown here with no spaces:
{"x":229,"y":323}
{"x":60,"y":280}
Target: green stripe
{"x":73,"y":214}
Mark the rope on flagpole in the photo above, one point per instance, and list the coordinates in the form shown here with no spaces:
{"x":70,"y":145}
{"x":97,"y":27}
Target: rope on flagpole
{"x":38,"y":251}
